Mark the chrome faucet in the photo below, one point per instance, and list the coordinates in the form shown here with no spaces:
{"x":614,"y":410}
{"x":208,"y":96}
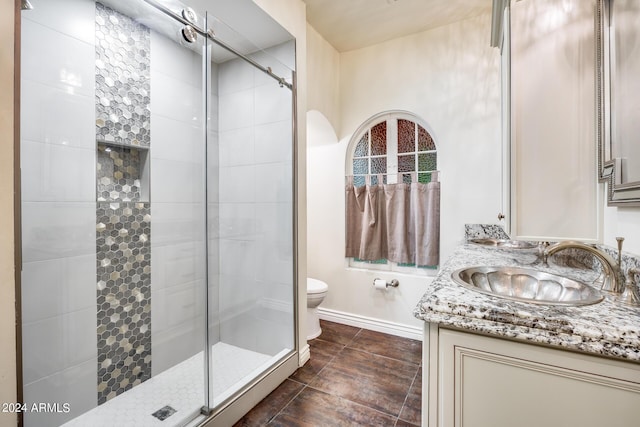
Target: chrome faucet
{"x":612,"y":280}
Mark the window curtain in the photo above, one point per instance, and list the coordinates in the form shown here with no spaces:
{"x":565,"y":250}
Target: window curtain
{"x":397,"y":222}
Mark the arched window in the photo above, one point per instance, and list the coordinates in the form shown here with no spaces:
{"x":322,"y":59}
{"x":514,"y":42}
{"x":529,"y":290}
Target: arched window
{"x":393,"y":144}
{"x":398,"y":147}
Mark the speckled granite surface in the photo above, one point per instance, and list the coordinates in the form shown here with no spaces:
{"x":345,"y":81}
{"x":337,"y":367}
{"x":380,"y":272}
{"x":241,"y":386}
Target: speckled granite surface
{"x":484,"y":231}
{"x":607,"y":328}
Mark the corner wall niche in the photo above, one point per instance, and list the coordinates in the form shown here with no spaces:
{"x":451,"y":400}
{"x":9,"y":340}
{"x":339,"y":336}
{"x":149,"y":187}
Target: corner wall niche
{"x":122,"y":173}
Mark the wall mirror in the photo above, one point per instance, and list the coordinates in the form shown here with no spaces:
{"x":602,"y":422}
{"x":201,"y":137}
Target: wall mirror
{"x":618,"y":91}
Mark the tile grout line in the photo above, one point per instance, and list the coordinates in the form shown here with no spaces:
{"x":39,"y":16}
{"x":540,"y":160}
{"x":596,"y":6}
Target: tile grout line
{"x":415,"y":377}
{"x":397,"y":417}
{"x":326,"y":364}
{"x":289,"y":402}
{"x":376,"y":354}
{"x":349,"y":400}
{"x":385,"y":357}
{"x":352,"y":402}
{"x":310,"y":381}
{"x":354,"y":338}
{"x":331,"y":360}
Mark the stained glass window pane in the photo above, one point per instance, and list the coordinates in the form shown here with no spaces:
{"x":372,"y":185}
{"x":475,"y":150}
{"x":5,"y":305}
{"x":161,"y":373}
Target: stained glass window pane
{"x":406,"y":163}
{"x":359,"y":181}
{"x":362,"y":149}
{"x":379,"y":139}
{"x":374,"y":180}
{"x":427,"y":162}
{"x":406,"y":178}
{"x":377,"y":261}
{"x":406,"y":136}
{"x":379,"y":165}
{"x":403,"y":264}
{"x":360,"y":166}
{"x":425,"y":142}
{"x":424,"y":178}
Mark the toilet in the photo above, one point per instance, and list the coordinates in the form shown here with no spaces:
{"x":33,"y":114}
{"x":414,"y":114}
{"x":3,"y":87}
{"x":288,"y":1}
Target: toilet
{"x":316,"y":291}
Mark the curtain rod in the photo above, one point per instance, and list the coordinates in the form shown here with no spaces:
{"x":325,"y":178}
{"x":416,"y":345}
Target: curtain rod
{"x":211,"y":36}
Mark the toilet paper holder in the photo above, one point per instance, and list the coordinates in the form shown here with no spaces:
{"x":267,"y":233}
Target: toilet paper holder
{"x":394,"y":283}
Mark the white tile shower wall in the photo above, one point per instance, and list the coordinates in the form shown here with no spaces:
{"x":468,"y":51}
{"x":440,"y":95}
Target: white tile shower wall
{"x":57,"y":286}
{"x":237,"y":147}
{"x":65,"y":339}
{"x":57,"y":59}
{"x":45,"y":111}
{"x":52,"y":172}
{"x":177,"y":197}
{"x":256,"y":259}
{"x":53,"y":230}
{"x":58,"y":172}
{"x":65,"y":16}
{"x":69,"y":386}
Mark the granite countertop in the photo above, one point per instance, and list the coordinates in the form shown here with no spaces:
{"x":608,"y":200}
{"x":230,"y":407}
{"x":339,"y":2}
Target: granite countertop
{"x":606,"y":329}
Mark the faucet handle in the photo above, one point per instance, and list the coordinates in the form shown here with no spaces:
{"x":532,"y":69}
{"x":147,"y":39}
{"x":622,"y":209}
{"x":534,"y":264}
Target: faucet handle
{"x":620,"y":241}
{"x":631,"y":294}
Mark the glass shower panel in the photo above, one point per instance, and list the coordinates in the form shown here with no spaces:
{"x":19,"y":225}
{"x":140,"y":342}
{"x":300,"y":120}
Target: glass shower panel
{"x":114,"y":215}
{"x":251,"y":278}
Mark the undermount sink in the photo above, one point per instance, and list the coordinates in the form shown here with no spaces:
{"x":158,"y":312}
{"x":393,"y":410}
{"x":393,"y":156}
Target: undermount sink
{"x":527,"y":285}
{"x":503,"y":243}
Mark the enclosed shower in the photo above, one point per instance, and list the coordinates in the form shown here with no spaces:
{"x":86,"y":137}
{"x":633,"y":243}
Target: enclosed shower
{"x":158,"y":209}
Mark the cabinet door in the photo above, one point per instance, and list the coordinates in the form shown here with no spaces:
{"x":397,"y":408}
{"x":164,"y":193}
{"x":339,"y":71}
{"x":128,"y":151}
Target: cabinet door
{"x":555,"y":193}
{"x":489,"y":382}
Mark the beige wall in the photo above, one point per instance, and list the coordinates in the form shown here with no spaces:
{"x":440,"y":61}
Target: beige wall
{"x":7,"y":274}
{"x":323,"y":74}
{"x":292,"y":15}
{"x":450,"y":77}
{"x":623,"y":222}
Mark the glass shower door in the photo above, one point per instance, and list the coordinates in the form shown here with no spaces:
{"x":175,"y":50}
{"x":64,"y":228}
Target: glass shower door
{"x":114,"y":280}
{"x":250,"y":182}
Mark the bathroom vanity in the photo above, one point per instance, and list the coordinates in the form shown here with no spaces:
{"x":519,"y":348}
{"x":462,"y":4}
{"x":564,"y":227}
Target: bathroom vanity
{"x":489,"y":361}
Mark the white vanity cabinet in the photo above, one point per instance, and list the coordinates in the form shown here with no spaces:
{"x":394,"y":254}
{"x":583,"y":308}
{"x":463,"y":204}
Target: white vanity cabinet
{"x":472,"y":380}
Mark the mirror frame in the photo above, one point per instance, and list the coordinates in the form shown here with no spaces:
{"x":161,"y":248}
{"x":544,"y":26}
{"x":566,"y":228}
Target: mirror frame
{"x":619,"y":193}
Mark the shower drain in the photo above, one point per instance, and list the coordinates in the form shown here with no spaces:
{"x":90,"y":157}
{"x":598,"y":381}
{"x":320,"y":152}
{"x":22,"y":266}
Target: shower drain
{"x":164,"y":413}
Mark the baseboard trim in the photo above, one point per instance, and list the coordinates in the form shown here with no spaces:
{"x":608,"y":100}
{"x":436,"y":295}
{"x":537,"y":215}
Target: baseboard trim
{"x":378,"y":325}
{"x":304,"y":355}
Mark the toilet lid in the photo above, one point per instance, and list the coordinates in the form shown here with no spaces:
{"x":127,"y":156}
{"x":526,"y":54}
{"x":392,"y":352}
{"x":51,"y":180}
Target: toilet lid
{"x":315,"y":286}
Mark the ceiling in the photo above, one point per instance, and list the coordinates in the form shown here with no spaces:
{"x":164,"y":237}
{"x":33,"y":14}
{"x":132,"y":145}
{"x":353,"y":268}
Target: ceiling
{"x":353,"y":24}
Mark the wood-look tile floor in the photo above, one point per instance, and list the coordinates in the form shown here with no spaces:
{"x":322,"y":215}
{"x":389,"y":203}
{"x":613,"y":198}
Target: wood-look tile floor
{"x":355,"y":377}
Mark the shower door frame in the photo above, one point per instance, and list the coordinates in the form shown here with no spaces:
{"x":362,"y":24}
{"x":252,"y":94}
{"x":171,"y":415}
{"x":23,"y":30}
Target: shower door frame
{"x":17,"y":207}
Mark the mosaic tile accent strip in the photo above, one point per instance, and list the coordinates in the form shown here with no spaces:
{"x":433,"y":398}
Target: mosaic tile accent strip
{"x":118,"y":174}
{"x":123,"y":220}
{"x":122,"y":79}
{"x":124,"y":297}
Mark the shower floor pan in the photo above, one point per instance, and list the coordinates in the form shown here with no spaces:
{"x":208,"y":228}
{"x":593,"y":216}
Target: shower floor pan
{"x":177,"y":388}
